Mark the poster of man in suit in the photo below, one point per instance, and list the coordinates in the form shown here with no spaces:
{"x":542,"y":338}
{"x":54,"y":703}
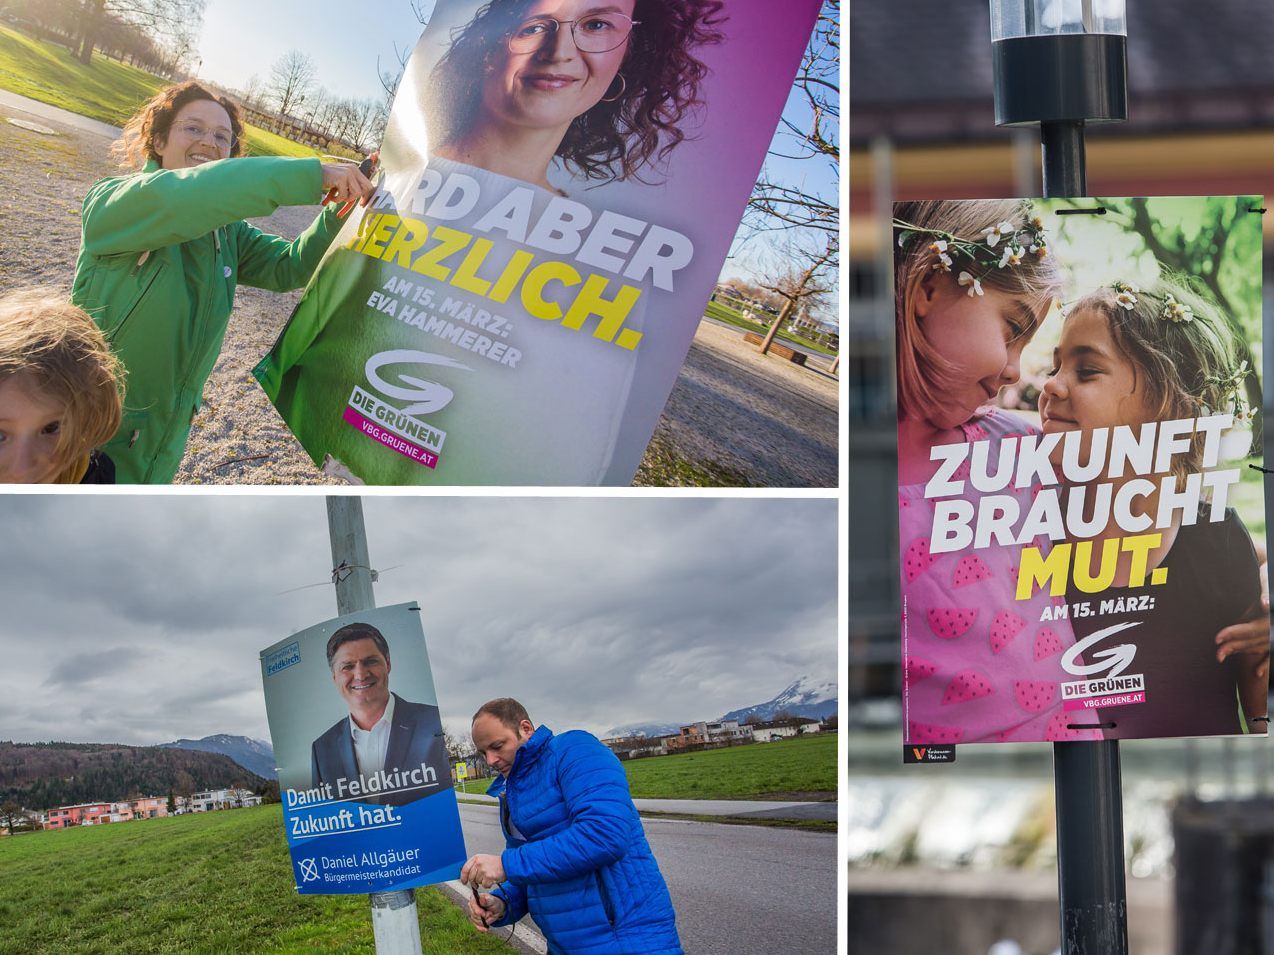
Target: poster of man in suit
{"x":367,"y":793}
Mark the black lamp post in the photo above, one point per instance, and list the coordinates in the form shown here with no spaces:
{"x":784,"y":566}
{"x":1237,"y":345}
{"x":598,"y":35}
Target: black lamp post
{"x":1062,"y":64}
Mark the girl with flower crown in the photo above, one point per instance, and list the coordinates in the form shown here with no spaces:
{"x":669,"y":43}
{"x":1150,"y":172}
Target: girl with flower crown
{"x":973,"y":281}
{"x":1129,"y":356}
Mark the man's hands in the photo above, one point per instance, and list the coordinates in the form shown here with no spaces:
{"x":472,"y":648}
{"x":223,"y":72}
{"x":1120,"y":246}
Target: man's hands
{"x":342,"y":182}
{"x":483,"y":910}
{"x":483,"y":870}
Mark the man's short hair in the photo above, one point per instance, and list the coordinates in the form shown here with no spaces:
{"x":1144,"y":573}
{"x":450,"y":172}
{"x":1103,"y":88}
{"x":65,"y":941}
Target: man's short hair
{"x":506,"y":709}
{"x":355,"y":631}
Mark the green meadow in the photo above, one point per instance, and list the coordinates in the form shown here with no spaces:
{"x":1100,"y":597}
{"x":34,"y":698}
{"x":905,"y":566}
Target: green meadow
{"x":732,"y":316}
{"x":803,"y":764}
{"x":104,"y":90}
{"x":209,"y":883}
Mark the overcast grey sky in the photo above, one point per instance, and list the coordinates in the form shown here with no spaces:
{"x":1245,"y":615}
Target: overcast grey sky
{"x":139,"y":619}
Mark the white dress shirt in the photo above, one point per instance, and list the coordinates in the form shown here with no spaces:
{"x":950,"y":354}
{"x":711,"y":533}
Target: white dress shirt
{"x":371,"y":745}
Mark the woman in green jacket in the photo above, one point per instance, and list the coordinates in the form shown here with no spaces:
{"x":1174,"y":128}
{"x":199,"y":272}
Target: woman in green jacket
{"x":164,"y":248}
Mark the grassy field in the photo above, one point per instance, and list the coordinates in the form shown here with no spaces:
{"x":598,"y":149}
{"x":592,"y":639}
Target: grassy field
{"x":104,"y":90}
{"x":723,"y":313}
{"x":803,"y":764}
{"x":213,"y":883}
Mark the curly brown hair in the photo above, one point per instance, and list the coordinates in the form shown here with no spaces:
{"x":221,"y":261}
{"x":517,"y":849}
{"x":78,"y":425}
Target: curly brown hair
{"x":45,"y":337}
{"x":613,"y":140}
{"x":136,"y":145}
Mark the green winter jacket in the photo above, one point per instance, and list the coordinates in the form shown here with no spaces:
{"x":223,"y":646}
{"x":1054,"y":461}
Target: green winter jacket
{"x":161,"y":255}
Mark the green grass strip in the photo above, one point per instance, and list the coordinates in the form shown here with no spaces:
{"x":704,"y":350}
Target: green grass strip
{"x":207,"y":883}
{"x":105,"y":90}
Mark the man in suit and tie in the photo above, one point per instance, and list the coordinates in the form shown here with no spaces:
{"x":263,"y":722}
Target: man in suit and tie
{"x":396,"y":746}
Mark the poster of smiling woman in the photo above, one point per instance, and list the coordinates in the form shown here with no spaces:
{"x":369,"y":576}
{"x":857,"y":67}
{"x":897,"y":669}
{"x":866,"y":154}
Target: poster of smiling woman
{"x":561,"y":181}
{"x":1081,"y":535}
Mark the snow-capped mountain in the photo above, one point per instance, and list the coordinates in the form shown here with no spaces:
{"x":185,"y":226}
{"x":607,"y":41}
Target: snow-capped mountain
{"x":252,"y":754}
{"x":806,"y":697}
{"x":644,"y":729}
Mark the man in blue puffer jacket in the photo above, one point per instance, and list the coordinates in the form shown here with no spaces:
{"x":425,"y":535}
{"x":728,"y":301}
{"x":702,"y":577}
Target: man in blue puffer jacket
{"x":577,"y":858}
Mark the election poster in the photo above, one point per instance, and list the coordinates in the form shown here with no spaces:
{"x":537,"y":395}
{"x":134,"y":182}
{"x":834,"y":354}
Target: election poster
{"x":364,"y":777}
{"x":1081,"y":514}
{"x":554,"y":204}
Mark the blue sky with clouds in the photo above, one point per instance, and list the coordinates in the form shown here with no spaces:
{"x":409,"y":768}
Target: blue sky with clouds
{"x":139,"y":618}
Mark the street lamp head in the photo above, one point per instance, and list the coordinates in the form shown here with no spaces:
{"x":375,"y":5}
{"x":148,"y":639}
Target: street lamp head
{"x":1059,"y":61}
{"x":1022,"y":18}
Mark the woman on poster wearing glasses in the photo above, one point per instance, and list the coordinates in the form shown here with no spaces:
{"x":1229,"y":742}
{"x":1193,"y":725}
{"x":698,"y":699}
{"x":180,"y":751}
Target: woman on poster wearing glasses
{"x":602,"y":87}
{"x":164,"y":248}
{"x":539,"y":116}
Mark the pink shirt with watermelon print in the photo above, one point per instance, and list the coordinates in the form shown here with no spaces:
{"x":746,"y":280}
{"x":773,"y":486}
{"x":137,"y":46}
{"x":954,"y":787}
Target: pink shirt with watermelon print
{"x":978,"y":665}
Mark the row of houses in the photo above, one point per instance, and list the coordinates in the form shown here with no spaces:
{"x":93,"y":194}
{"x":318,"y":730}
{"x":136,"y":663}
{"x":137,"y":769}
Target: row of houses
{"x":713,"y":735}
{"x":146,"y":807}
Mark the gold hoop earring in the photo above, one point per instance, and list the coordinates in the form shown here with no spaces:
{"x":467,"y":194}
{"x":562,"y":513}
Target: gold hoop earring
{"x":623,"y":88}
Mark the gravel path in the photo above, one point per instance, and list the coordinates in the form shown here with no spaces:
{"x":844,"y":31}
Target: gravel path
{"x":735,"y":417}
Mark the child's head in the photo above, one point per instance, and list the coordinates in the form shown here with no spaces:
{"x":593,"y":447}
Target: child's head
{"x":1128,"y":356}
{"x":972,"y":281}
{"x":59,"y":389}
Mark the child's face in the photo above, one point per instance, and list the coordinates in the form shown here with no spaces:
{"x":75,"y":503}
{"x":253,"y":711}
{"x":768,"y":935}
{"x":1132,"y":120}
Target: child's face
{"x":30,"y":422}
{"x":982,"y":336}
{"x":1092,"y":385}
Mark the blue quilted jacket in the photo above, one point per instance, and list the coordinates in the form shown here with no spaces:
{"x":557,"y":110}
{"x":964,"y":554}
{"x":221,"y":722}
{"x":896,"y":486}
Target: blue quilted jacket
{"x":577,"y":858}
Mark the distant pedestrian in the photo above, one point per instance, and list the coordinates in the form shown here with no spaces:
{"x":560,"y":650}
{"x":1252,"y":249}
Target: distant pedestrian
{"x":577,"y":860}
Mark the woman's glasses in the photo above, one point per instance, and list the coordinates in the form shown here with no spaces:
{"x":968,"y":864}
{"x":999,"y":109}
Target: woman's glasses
{"x":196,"y":132}
{"x":599,"y":33}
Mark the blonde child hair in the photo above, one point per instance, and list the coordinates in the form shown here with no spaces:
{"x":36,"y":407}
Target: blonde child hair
{"x":921,"y":229}
{"x":55,"y":343}
{"x":1183,"y":352}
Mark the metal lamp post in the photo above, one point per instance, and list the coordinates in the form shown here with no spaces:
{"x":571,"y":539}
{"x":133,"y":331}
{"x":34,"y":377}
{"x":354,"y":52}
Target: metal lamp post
{"x":1062,"y":64}
{"x":395,"y":924}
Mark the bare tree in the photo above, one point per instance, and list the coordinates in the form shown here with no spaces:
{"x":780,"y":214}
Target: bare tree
{"x":325,"y":115}
{"x":291,"y":78}
{"x":812,"y":136}
{"x":254,"y":91}
{"x":800,"y":276}
{"x":389,"y":79}
{"x":11,"y":815}
{"x":459,"y":747}
{"x":174,"y":20}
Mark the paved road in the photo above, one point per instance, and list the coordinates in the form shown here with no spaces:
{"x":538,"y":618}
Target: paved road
{"x":13,"y":102}
{"x":742,"y":808}
{"x":738,"y":890}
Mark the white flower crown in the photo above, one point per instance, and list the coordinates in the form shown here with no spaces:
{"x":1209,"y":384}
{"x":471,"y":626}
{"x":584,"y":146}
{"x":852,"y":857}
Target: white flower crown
{"x":984,"y":256}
